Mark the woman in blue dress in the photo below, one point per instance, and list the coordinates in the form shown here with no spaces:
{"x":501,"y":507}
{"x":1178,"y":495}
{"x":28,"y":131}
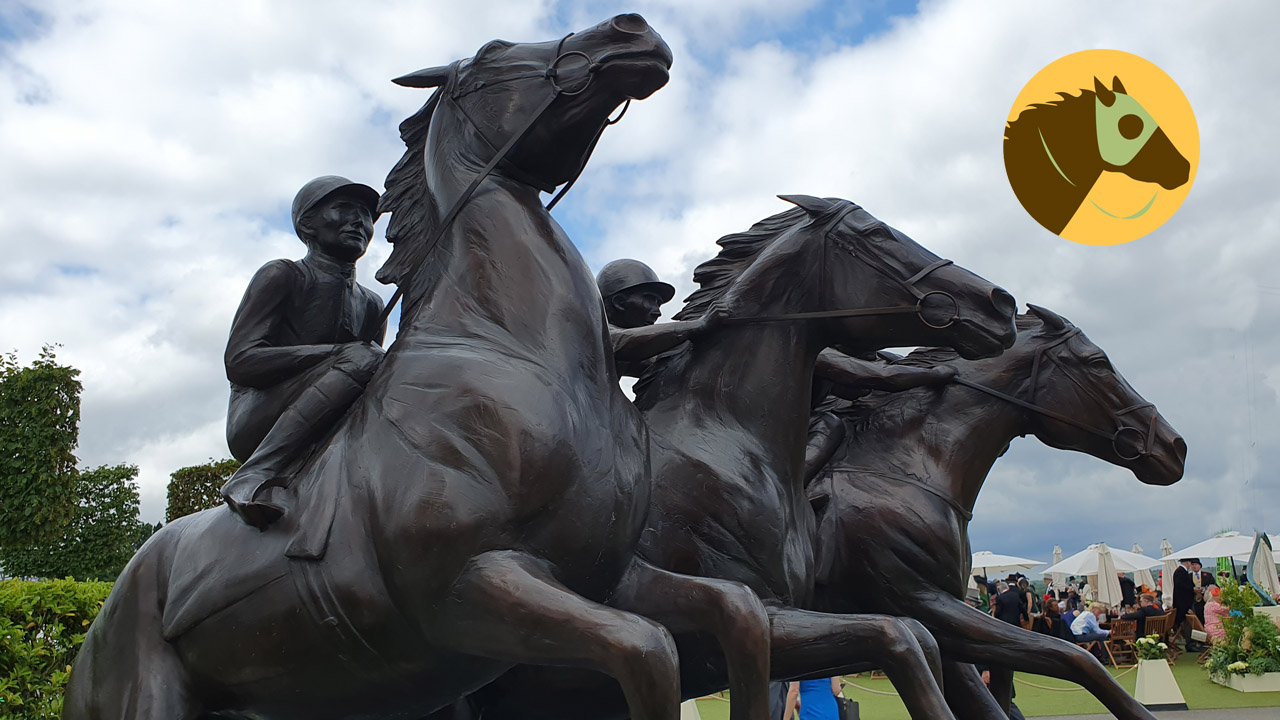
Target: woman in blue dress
{"x":815,"y":698}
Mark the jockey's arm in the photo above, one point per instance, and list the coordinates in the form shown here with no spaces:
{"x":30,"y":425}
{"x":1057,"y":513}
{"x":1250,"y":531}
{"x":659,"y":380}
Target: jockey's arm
{"x":642,"y":343}
{"x":250,"y":358}
{"x":850,"y":372}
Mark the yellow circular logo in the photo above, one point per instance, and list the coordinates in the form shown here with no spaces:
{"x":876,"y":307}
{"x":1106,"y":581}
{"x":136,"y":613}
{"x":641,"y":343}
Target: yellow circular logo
{"x":1101,"y":147}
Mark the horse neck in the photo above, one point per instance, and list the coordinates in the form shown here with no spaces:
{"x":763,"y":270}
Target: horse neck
{"x":1052,"y":159}
{"x":503,"y":219}
{"x":765,"y":408}
{"x":947,"y":438}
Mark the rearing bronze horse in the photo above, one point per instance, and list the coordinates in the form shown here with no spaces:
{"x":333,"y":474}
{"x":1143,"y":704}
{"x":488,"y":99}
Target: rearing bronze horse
{"x":484,"y":498}
{"x":895,"y":499}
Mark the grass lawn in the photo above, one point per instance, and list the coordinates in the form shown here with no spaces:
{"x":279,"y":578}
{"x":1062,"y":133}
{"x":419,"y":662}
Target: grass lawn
{"x":1200,"y":692}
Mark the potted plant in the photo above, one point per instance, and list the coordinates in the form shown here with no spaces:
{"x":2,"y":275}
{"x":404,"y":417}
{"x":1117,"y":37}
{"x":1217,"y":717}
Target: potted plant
{"x":1248,"y":659}
{"x":1156,"y":687}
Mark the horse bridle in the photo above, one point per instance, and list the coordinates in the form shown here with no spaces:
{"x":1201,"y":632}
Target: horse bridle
{"x":1146,"y":441}
{"x":909,"y":284}
{"x":551,"y":74}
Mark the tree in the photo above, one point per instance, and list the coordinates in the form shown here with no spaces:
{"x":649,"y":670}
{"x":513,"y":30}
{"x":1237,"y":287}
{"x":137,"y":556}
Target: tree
{"x":39,"y":430}
{"x":100,"y":538}
{"x":196,"y":488}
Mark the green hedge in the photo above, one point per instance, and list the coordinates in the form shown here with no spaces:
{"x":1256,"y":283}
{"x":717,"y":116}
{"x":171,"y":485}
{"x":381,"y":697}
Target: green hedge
{"x":42,"y":625}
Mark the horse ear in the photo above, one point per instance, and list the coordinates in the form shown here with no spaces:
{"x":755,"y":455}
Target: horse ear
{"x":425,"y":78}
{"x":1107,"y":97}
{"x":810,"y":204}
{"x":1116,"y":86}
{"x":1052,"y":320}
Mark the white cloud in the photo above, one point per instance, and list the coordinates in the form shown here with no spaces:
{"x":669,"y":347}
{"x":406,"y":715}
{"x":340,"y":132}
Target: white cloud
{"x":151,"y":149}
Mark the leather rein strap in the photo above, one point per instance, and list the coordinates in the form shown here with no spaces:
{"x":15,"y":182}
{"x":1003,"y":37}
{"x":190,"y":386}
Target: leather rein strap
{"x":908,"y":283}
{"x":1147,"y":443}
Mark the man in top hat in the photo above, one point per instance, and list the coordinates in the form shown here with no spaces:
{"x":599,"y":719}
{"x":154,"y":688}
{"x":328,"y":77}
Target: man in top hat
{"x":303,"y":345}
{"x":633,"y":296}
{"x":1184,"y":595}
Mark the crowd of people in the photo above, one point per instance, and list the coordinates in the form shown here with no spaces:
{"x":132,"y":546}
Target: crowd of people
{"x":1073,"y":613}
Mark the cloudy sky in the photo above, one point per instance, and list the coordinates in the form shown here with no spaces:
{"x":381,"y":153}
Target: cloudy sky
{"x":149,"y":151}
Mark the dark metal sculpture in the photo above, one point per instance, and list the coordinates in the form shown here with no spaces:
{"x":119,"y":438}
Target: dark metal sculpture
{"x":297,"y":356}
{"x":728,"y":414}
{"x":895,"y":501}
{"x":484,"y":497}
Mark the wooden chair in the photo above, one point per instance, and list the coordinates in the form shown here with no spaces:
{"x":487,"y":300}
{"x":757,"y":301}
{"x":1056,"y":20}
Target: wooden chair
{"x":1162,"y":626}
{"x":1119,"y":643}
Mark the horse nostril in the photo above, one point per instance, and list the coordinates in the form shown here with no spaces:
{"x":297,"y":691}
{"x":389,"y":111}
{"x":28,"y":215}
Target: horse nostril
{"x":1003,"y":302}
{"x":630,"y":23}
{"x":1180,"y":449}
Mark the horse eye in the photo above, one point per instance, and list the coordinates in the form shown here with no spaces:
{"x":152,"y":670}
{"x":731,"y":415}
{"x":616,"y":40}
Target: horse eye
{"x":1130,"y":126}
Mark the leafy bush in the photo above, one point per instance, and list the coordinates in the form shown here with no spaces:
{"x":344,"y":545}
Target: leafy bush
{"x":39,"y":430}
{"x":42,"y":625}
{"x":196,"y":488}
{"x":1252,"y":644}
{"x":102,"y":535}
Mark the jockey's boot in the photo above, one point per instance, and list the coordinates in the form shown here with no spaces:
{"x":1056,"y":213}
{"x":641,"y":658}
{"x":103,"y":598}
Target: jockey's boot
{"x":311,"y":415}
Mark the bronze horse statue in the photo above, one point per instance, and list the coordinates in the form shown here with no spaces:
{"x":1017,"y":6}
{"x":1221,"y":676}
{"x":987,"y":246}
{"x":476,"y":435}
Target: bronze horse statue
{"x":894,"y":501}
{"x":482,"y":501}
{"x":728,"y":415}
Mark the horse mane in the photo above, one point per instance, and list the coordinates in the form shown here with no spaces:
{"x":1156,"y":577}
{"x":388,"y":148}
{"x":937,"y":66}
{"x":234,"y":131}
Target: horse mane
{"x":738,"y":252}
{"x":1013,"y":127}
{"x":408,"y":197}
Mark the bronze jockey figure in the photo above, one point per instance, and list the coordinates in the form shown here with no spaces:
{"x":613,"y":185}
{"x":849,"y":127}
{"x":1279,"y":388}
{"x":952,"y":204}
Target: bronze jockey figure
{"x":632,"y":296}
{"x":303,"y":344}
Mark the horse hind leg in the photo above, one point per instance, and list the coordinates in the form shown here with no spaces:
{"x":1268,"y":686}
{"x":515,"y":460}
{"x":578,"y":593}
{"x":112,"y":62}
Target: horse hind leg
{"x":507,"y":605}
{"x":728,"y":610}
{"x":806,"y":643}
{"x":126,"y":670}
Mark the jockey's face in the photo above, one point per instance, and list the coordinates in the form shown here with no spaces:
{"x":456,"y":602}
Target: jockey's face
{"x":634,"y":307}
{"x":340,"y":228}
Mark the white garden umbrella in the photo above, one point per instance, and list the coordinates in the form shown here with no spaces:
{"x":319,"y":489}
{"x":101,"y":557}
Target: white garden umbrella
{"x":1223,"y":545}
{"x":1108,"y":590}
{"x":1262,"y":566}
{"x":1059,"y":579}
{"x":1143,"y":576}
{"x":988,"y":562}
{"x":1085,"y":562}
{"x":1168,"y":565}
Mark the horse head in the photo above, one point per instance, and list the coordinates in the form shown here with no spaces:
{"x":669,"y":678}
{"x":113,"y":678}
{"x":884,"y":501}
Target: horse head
{"x":545,"y":104}
{"x":1131,"y":142}
{"x":1110,"y":420}
{"x":940,"y":303}
{"x":589,"y":74}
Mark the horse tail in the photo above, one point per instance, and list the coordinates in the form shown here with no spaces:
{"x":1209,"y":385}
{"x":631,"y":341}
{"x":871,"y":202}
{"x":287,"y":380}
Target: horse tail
{"x":126,"y":670}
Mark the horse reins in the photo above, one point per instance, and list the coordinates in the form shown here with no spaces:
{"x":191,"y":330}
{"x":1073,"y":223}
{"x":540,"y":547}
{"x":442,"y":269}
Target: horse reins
{"x":1146,"y":441}
{"x":551,"y":74}
{"x":908,"y":283}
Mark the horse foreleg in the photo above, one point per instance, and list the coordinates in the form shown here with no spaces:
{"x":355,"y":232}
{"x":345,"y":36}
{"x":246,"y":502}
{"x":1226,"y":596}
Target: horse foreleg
{"x":804,"y":643}
{"x":507,"y":605}
{"x":968,"y":695}
{"x":968,"y":635}
{"x":730,"y":611}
